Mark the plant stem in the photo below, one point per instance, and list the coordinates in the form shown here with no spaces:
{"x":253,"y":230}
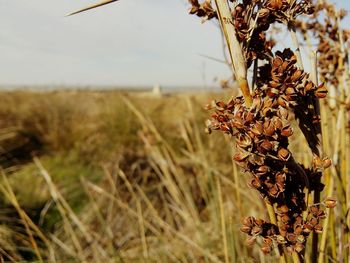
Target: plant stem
{"x":238,"y":62}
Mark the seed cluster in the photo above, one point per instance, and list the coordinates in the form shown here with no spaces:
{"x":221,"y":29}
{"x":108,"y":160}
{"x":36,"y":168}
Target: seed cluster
{"x":204,"y":9}
{"x":262,"y":137}
{"x":261,"y":132}
{"x":330,"y":37}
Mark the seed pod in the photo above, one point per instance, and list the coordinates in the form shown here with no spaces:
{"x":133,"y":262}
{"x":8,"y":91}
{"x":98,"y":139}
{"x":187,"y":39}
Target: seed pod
{"x":330,"y":202}
{"x":277,"y":122}
{"x":255,"y":183}
{"x":272,"y":92}
{"x":250,"y":241}
{"x":268,"y":241}
{"x":298,"y":247}
{"x":240,"y":157}
{"x":277,"y":61}
{"x":326,"y":162}
{"x":309,"y":86}
{"x":283,"y":209}
{"x":258,"y":128}
{"x":283,"y":113}
{"x":266,"y":249}
{"x":308,"y":228}
{"x":269,"y":129}
{"x":262,"y":170}
{"x":283,"y":154}
{"x":257,"y":230}
{"x":282,"y":101}
{"x":287,"y":131}
{"x":313,"y":222}
{"x":318,"y":229}
{"x":246,"y":229}
{"x":291,"y":237}
{"x":298,"y":230}
{"x":321,"y":92}
{"x":296,"y":75}
{"x":285,"y":219}
{"x":273,"y":191}
{"x":244,"y":141}
{"x":248,"y":221}
{"x":266,"y":145}
{"x":280,"y":239}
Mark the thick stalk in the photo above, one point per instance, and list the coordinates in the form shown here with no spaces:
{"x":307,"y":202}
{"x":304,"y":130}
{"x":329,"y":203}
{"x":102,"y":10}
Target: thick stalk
{"x":317,"y":194}
{"x":236,"y":54}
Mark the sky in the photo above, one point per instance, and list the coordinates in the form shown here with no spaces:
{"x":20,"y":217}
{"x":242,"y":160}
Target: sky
{"x":127,"y":43}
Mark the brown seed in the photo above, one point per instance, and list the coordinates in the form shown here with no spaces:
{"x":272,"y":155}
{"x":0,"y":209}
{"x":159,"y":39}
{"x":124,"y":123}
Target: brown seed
{"x":308,"y":228}
{"x":258,"y":128}
{"x":318,"y":229}
{"x":266,"y":145}
{"x":283,"y":209}
{"x":277,"y":61}
{"x":248,"y":221}
{"x":257,"y":230}
{"x":296,"y":75}
{"x":283,"y":154}
{"x":314,"y":210}
{"x":287,"y":131}
{"x":280,"y":239}
{"x":313,"y":221}
{"x":240,"y":157}
{"x":244,"y":141}
{"x":272,"y":92}
{"x":268,"y":241}
{"x":309,"y":86}
{"x":273,"y":191}
{"x":263,"y":170}
{"x":255,"y":183}
{"x":298,"y":230}
{"x":285,"y":219}
{"x":277,"y":122}
{"x":321,"y":92}
{"x":269,"y":129}
{"x":282,"y":101}
{"x":291,"y":237}
{"x":298,"y":247}
{"x":246,"y":229}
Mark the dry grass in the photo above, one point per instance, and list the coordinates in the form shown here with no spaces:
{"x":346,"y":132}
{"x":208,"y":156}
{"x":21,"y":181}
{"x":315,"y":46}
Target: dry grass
{"x":128,"y":178}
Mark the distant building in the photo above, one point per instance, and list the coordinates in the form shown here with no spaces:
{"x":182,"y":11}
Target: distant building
{"x":157,"y":90}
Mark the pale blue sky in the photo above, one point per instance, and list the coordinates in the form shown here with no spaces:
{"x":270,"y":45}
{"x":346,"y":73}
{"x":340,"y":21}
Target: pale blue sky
{"x":131,"y":42}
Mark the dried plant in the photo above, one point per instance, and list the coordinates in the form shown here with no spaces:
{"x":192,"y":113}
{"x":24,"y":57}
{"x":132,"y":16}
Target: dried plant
{"x":283,"y":91}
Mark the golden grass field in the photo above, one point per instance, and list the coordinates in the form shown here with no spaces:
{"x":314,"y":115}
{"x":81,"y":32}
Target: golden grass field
{"x":111,"y":176}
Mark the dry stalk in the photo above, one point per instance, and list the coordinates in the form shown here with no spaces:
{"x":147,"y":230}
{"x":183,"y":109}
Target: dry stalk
{"x":235,"y":49}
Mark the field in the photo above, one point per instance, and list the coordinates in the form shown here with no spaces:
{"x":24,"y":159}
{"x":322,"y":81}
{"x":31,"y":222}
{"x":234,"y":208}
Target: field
{"x":117,"y":177}
{"x":121,"y":177}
